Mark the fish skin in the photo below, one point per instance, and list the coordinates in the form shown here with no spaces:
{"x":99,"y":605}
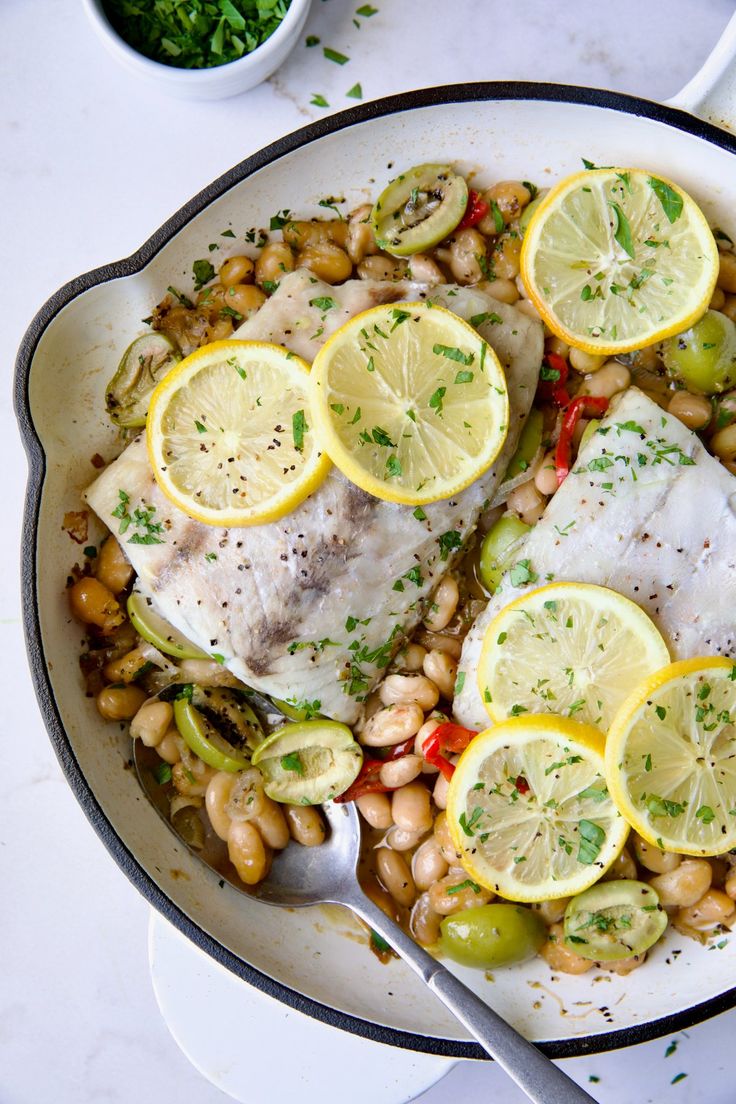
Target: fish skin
{"x":339,"y":554}
{"x":667,"y":540}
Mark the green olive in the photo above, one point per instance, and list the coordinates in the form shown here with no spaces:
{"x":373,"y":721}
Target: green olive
{"x":492,"y":935}
{"x":153,"y":628}
{"x":218,"y":726}
{"x":588,"y":433}
{"x":530,"y":442}
{"x":308,"y":762}
{"x":704,"y":357}
{"x":498,"y":548}
{"x":143,"y":365}
{"x":418,"y":209}
{"x":614,"y":920}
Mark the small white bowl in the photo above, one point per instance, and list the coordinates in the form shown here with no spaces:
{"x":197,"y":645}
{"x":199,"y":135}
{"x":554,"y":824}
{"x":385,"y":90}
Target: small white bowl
{"x":217,"y":82}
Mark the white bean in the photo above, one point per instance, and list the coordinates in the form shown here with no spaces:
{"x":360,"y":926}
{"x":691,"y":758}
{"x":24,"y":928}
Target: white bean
{"x":375,"y":808}
{"x":444,"y":604}
{"x":216,"y":798}
{"x":442,"y":670}
{"x":440,"y":791}
{"x":428,"y":864}
{"x":405,"y":689}
{"x":393,"y":725}
{"x":410,"y":807}
{"x":399,"y":772}
{"x":152,"y":722}
{"x":305,"y":824}
{"x":396,"y":876}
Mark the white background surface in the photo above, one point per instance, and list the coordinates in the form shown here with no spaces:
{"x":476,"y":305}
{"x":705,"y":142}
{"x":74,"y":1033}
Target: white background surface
{"x":90,"y":164}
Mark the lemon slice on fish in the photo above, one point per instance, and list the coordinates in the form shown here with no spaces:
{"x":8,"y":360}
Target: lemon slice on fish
{"x":229,"y":434}
{"x":409,"y":402}
{"x":568,"y":648}
{"x":529,"y":811}
{"x":616,"y":259}
{"x":671,"y":757}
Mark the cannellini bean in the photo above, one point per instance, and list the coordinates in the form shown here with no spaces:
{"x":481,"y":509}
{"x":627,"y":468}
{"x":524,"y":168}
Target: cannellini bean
{"x":654,"y":859}
{"x":717,"y":299}
{"x":403,"y":840}
{"x":247,"y":852}
{"x":440,"y":642}
{"x":299,"y":234}
{"x":221,"y":329}
{"x":446,"y":897}
{"x":216,"y":798}
{"x":545,"y":479}
{"x":246,"y":800}
{"x":191,"y":779}
{"x":441,"y":669}
{"x":399,"y":772}
{"x":730,"y":884}
{"x":375,"y":808}
{"x":127,"y":667}
{"x":94,"y":604}
{"x":393,"y":871}
{"x":560,"y":957}
{"x":207,"y":672}
{"x":526,"y":501}
{"x":112,"y":567}
{"x":428,"y":864}
{"x":120,"y":703}
{"x":527,"y":307}
{"x":441,"y":791}
{"x":275,"y":260}
{"x":552,"y":911}
{"x":511,"y":197}
{"x":444,"y":839}
{"x":424,"y":733}
{"x":271,"y":823}
{"x":623,"y":866}
{"x":327,"y":261}
{"x":723,"y":443}
{"x":152,"y":722}
{"x":623,"y":966}
{"x":714,"y":907}
{"x":424,"y":922}
{"x":171,"y":747}
{"x":607,"y":381}
{"x":557,"y":346}
{"x":404,"y":689}
{"x":246,"y":299}
{"x":382,"y":268}
{"x":466,"y":247}
{"x":423,"y":270}
{"x":694,"y":411}
{"x":410,"y":807}
{"x":729,"y":307}
{"x":727,"y":272}
{"x":506,"y":257}
{"x":392,"y":725}
{"x":586,"y":362}
{"x":504,"y":290}
{"x":236,"y":270}
{"x":411,"y":658}
{"x":360,"y":240}
{"x":305,"y":824}
{"x":444,"y":604}
{"x":685,"y":885}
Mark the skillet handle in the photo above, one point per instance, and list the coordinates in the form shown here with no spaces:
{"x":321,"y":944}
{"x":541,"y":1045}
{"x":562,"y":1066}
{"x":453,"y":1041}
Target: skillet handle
{"x":711,"y":94}
{"x":535,"y":1074}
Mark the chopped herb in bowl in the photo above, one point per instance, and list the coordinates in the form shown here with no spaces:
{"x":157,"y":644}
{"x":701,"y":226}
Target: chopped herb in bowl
{"x":200,"y":34}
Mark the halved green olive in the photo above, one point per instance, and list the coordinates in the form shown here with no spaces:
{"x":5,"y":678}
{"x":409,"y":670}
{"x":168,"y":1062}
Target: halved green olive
{"x":218,"y":726}
{"x":153,"y":628}
{"x":498,"y":548}
{"x":588,"y":432}
{"x":704,"y":357}
{"x":418,"y":209}
{"x":492,"y":935}
{"x":308,"y":762}
{"x":530,"y":442}
{"x":144,"y":364}
{"x":614,"y":920}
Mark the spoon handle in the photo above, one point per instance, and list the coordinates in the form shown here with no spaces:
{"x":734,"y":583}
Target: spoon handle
{"x":540,"y":1079}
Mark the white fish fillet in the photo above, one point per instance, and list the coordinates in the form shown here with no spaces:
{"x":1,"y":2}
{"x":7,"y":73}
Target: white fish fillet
{"x":310,"y":608}
{"x":650,"y":514}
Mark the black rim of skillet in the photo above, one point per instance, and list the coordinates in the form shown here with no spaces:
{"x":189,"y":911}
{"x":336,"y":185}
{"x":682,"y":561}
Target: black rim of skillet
{"x":458,"y":94}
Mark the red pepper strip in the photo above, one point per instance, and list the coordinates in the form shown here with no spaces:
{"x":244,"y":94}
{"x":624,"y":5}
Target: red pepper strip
{"x":476,"y":210}
{"x":586,"y":404}
{"x":436,"y":759}
{"x":452,"y":737}
{"x":399,"y":750}
{"x":521,"y":784}
{"x":554,"y":390}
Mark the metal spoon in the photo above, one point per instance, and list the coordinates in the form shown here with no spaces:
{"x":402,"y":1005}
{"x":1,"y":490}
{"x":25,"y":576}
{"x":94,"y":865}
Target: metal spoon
{"x":328,"y":875}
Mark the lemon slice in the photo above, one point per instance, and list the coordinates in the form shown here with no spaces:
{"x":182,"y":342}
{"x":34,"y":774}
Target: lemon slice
{"x":615,"y":259}
{"x":410,"y":402}
{"x":671,"y":757}
{"x":568,"y":648}
{"x":529,"y":811}
{"x":229,"y":434}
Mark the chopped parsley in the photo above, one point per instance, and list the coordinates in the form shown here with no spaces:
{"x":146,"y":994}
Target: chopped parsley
{"x":453,"y":353}
{"x":298,"y":428}
{"x":670,"y":199}
{"x":334,"y":55}
{"x":448,"y":542}
{"x":292,"y":762}
{"x":141,"y":519}
{"x":592,"y":838}
{"x":521,"y":573}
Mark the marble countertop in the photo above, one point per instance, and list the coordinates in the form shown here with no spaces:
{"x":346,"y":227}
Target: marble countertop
{"x":92,"y":162}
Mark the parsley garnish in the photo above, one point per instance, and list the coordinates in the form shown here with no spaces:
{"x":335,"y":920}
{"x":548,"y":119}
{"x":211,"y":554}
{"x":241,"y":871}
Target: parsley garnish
{"x":318,"y":100}
{"x":334,"y":55}
{"x":453,"y":353}
{"x":292,"y":762}
{"x":521,"y":573}
{"x":592,"y":837}
{"x":670,"y":199}
{"x":622,"y":229}
{"x":298,"y":428}
{"x":355,"y":93}
{"x":203,"y":273}
{"x":448,"y":542}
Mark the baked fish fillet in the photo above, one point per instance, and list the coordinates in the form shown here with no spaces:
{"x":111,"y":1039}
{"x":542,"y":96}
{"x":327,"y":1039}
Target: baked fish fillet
{"x":648,"y":512}
{"x":312,"y":607}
